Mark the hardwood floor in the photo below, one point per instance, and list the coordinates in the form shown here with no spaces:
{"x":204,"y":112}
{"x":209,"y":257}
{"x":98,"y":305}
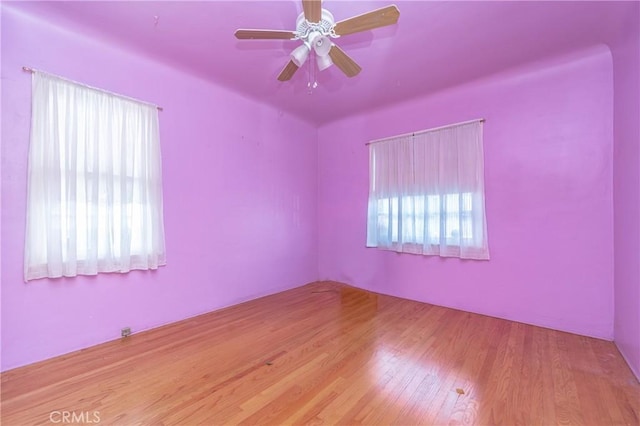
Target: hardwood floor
{"x":331,"y":354}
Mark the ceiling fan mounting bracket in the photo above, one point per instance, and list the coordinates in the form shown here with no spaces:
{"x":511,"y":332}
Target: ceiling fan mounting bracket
{"x":304,"y":28}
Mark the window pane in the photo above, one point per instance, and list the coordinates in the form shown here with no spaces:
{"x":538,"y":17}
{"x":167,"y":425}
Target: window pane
{"x":408,"y":228}
{"x":433,"y":215}
{"x":452,"y":215}
{"x":394,"y":219}
{"x":383,"y":216}
{"x":419,"y":217}
{"x":466,"y":216}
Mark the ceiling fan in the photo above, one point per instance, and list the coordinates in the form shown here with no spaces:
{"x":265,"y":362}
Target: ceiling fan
{"x":314,"y":27}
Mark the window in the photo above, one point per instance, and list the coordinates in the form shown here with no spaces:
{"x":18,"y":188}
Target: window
{"x":421,"y":218}
{"x":95,"y":186}
{"x":427,"y":193}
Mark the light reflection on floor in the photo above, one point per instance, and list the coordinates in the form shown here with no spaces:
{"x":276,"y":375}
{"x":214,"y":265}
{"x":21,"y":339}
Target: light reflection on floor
{"x":414,"y":386}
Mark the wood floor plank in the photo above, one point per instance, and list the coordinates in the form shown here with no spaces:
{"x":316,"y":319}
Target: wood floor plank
{"x":327,"y":353}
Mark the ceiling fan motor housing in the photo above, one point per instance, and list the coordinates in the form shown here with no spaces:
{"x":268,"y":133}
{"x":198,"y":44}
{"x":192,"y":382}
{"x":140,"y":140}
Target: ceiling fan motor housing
{"x":306,"y":29}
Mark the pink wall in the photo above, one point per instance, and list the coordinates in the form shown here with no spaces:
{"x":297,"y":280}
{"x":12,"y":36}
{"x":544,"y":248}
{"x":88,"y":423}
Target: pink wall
{"x":548,"y":176}
{"x":626,"y":192}
{"x":239,"y":191}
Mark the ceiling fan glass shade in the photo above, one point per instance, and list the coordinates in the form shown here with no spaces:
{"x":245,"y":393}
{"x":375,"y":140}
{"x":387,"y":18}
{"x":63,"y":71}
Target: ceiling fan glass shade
{"x":324,"y":62}
{"x":321,"y":44}
{"x":300,"y":54}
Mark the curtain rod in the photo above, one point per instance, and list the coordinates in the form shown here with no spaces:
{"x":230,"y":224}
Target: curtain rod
{"x":31,"y":70}
{"x":482,"y":120}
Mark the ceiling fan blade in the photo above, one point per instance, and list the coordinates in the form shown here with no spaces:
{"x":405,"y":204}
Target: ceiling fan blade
{"x":288,"y":71}
{"x":312,"y":10}
{"x":367,"y":21}
{"x":264,"y":35}
{"x":344,"y":61}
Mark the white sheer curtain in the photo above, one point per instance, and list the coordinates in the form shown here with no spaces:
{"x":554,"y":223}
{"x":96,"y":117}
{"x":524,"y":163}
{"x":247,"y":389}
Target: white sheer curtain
{"x":95,"y":183}
{"x":426,"y":193}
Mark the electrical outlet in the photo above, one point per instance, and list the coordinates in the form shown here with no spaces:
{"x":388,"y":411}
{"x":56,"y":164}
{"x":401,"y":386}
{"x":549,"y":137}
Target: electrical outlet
{"x":125,"y":332}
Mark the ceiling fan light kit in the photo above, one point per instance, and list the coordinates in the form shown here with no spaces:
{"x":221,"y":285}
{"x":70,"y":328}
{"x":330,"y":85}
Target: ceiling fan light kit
{"x":315,"y":27}
{"x":324,"y":62}
{"x":300,"y":54}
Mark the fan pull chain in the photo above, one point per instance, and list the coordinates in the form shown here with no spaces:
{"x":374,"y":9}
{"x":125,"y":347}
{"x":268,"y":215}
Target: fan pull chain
{"x":312,"y":83}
